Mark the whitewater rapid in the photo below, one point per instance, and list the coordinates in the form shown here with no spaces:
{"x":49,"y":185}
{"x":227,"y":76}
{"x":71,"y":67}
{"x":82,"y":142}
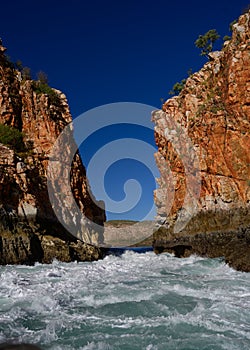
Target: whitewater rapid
{"x":133,"y":301}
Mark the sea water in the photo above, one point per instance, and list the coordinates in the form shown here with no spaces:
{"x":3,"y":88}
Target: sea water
{"x":129,"y":301}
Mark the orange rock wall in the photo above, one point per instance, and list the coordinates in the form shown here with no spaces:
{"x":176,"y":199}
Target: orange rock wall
{"x":213,"y":110}
{"x":23,"y":177}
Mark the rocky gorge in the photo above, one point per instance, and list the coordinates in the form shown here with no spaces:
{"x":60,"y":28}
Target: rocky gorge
{"x":32,"y":116}
{"x":203,"y":139}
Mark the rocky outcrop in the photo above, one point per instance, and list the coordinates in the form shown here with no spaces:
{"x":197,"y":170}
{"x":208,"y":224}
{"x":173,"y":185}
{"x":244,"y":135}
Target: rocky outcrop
{"x":29,"y":229}
{"x":203,"y":139}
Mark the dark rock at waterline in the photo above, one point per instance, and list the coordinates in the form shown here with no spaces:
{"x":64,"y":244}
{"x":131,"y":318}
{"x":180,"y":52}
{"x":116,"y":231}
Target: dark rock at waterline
{"x":18,"y":347}
{"x":23,"y":243}
{"x":233,"y":245}
{"x":28,"y":248}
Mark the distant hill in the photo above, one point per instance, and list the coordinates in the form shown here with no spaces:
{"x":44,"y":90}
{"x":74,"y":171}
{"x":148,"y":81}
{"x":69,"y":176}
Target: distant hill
{"x":120,"y":233}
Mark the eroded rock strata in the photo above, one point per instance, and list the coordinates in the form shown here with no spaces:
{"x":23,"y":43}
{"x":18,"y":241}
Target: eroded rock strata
{"x":203,"y":139}
{"x":29,"y":229}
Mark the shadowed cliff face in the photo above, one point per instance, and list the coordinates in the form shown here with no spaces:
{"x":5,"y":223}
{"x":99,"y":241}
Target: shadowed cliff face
{"x":212,"y":115}
{"x":24,"y":202}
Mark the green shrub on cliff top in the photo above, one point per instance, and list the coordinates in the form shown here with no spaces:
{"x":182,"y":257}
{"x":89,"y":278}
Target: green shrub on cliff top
{"x":12,"y":138}
{"x":178,"y":87}
{"x":205,"y":42}
{"x":41,"y":86}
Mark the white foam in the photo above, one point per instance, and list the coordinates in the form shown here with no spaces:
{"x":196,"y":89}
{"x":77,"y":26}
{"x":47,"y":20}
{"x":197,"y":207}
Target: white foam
{"x":123,"y":297}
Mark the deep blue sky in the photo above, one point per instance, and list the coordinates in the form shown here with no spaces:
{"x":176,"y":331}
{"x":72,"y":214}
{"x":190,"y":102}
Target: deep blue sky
{"x":98,"y":52}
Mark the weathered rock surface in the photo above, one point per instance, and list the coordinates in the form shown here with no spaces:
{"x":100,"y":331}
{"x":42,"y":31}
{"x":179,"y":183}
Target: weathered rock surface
{"x":29,"y":229}
{"x":203,"y":138}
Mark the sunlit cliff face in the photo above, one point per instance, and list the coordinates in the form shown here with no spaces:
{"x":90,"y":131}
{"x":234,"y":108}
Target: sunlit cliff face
{"x":211,"y":122}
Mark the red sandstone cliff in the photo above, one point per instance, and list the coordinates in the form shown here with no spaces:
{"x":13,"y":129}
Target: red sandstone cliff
{"x":26,"y":215}
{"x":203,"y":139}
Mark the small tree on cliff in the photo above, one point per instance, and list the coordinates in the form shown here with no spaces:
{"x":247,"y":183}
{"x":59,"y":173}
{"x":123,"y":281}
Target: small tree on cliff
{"x":42,"y":78}
{"x":26,"y":73}
{"x":205,"y":42}
{"x":176,"y":89}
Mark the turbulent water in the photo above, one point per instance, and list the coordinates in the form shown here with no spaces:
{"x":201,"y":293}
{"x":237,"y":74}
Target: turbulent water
{"x":133,"y":301}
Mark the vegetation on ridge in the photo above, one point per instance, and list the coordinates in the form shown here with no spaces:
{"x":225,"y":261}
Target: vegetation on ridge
{"x":176,"y":89}
{"x":205,"y":42}
{"x":40,"y":86}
